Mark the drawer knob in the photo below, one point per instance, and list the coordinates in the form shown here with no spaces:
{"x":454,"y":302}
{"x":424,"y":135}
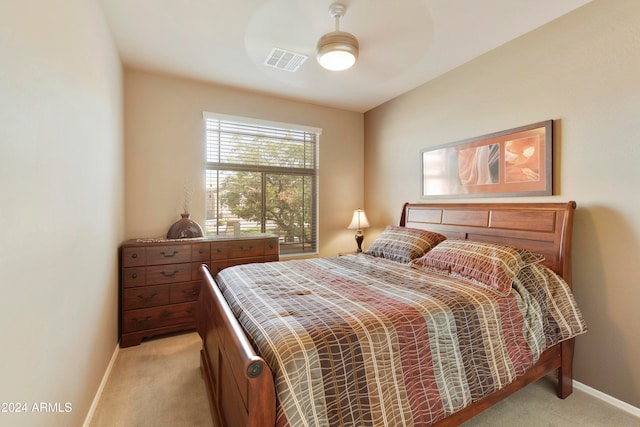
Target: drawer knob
{"x":166,"y":255}
{"x":134,"y":255}
{"x":134,"y":275}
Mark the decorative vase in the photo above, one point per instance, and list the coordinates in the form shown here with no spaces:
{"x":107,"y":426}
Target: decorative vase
{"x":184,"y":228}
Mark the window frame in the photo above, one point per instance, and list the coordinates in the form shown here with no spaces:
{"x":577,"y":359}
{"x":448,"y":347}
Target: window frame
{"x":313,"y":172}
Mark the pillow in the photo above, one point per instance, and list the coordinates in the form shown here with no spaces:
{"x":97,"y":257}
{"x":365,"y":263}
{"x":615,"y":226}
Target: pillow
{"x":486,"y":264}
{"x":403,"y":244}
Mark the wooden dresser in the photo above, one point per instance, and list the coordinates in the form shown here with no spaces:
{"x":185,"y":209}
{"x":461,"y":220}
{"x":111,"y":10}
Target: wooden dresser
{"x":160,"y":279}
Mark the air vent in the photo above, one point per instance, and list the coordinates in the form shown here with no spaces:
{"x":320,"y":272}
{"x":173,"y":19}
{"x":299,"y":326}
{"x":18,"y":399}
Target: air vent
{"x":284,"y":60}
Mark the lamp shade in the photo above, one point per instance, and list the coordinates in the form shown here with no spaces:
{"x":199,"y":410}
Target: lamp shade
{"x":359,"y":220}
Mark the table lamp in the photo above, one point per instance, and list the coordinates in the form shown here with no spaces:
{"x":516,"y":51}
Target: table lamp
{"x":358,"y":222}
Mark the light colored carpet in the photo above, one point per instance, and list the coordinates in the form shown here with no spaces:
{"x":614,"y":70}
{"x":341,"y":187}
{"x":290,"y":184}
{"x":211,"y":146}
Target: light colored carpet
{"x":537,"y":405}
{"x":158,"y":383}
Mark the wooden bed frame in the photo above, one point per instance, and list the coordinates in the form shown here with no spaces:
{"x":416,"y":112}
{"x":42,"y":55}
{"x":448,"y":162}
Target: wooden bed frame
{"x":240,"y":383}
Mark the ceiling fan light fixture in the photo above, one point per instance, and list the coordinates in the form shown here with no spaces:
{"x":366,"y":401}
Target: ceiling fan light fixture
{"x":337,"y":50}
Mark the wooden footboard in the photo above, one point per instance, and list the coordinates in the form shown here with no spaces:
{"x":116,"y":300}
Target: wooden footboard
{"x":239,"y":382}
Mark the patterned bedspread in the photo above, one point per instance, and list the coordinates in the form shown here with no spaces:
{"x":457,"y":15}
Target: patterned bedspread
{"x":363,"y":341}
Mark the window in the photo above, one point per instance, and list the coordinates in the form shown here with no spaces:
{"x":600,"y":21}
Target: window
{"x":262,"y":177}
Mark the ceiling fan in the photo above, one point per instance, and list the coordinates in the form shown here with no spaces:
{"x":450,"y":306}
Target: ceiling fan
{"x":337,"y":50}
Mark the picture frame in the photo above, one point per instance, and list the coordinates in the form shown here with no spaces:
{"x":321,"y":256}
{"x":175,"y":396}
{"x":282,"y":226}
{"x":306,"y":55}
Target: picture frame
{"x":513,"y":162}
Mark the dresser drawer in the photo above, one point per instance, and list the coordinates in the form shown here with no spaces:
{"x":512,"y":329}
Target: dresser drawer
{"x":272,"y":247}
{"x":158,"y":317}
{"x":184,"y":292}
{"x":216,"y":266}
{"x":246,"y":248}
{"x":196,"y":271}
{"x":169,"y":273}
{"x":134,"y":276}
{"x":145,"y":296}
{"x":133,"y":257}
{"x":169,"y":254}
{"x":220,"y":250}
{"x":200,"y":252}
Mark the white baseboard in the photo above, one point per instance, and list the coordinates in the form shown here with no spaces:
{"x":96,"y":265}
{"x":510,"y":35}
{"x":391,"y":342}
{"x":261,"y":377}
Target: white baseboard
{"x":105,"y":378}
{"x":609,"y":399}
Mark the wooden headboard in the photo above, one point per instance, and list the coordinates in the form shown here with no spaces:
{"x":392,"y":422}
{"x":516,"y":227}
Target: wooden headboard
{"x":544,"y":228}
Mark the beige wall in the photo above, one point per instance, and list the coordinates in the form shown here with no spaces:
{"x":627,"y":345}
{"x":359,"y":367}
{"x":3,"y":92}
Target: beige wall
{"x":62,"y":177}
{"x":164,"y":134}
{"x":61,"y":206}
{"x":582,"y":70}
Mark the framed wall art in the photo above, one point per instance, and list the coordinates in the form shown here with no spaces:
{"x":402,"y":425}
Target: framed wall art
{"x":514,"y":162}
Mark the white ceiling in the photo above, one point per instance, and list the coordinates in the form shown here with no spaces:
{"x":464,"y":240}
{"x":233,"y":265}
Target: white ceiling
{"x":403,"y":43}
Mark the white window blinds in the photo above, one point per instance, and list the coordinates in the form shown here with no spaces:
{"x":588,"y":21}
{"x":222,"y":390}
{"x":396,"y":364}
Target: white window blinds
{"x":262,"y":178}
